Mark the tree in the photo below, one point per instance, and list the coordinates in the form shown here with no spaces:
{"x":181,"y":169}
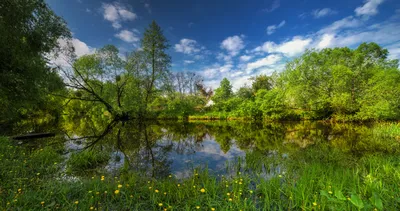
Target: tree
{"x":29,"y":31}
{"x":157,"y":62}
{"x":224,"y":91}
{"x":261,"y":82}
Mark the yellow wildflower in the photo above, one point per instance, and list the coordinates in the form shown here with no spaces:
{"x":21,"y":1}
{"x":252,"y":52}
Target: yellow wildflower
{"x":197,"y":207}
{"x":160,"y":204}
{"x":315,"y":203}
{"x":202,"y":190}
{"x":156,"y":191}
{"x":119,"y":186}
{"x":228,"y":194}
{"x":97,"y":193}
{"x":116,"y":191}
{"x":19,"y":190}
{"x":330,"y":192}
{"x":213,"y":209}
{"x":251,"y":191}
{"x":76,"y":202}
{"x":170,"y":176}
{"x":240,"y":183}
{"x":279,"y":176}
{"x":131,"y":196}
{"x":91,"y":208}
{"x":179,"y":185}
{"x":42,"y":203}
{"x":165,"y":193}
{"x":230,"y":199}
{"x":194,"y":186}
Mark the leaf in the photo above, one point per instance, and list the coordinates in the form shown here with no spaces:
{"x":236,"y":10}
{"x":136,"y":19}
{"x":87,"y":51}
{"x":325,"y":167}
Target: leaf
{"x":355,"y":199}
{"x":339,"y":195}
{"x":376,"y":201}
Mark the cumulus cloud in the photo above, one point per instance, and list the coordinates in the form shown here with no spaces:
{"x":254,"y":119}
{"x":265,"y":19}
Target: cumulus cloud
{"x":319,"y":13}
{"x":233,"y":44}
{"x":270,"y":60}
{"x":326,"y":41}
{"x":81,"y":48}
{"x":290,"y":48}
{"x":128,"y":36}
{"x":116,"y":13}
{"x":370,"y":8}
{"x":271,"y":29}
{"x":187,"y":46}
{"x":245,"y":58}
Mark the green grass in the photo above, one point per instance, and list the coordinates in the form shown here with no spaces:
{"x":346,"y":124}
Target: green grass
{"x":316,"y":178}
{"x":87,"y":160}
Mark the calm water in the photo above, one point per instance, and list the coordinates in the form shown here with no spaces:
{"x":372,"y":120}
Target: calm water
{"x":159,"y":149}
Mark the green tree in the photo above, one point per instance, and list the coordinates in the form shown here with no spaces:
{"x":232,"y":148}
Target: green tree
{"x":261,"y":82}
{"x":29,"y":31}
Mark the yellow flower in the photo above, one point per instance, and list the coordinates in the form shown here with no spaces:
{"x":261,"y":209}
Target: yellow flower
{"x":102,"y":178}
{"x":197,"y":207}
{"x":19,"y":190}
{"x":240,"y":183}
{"x":156,"y":191}
{"x":251,"y":191}
{"x":160,"y":204}
{"x":194,"y":186}
{"x":42,"y":203}
{"x":97,"y":193}
{"x":91,"y":208}
{"x":330,"y":192}
{"x":76,"y":202}
{"x":202,"y":190}
{"x":179,"y":185}
{"x":213,"y":209}
{"x":228,"y":194}
{"x":165,"y":193}
{"x":119,"y":186}
{"x":279,"y":176}
{"x":230,"y":199}
{"x":315,"y":203}
{"x":131,"y":196}
{"x":116,"y":191}
{"x":170,"y":176}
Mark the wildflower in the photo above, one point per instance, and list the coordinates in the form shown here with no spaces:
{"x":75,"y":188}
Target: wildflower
{"x":76,"y":202}
{"x":348,"y":198}
{"x":105,"y":192}
{"x":150,"y":187}
{"x":116,"y":191}
{"x":165,"y":193}
{"x":230,"y":199}
{"x":148,"y":182}
{"x":119,"y":186}
{"x":194,"y":186}
{"x":315,"y":203}
{"x":197,"y":207}
{"x":97,"y":193}
{"x":179,"y":185}
{"x":92,"y":177}
{"x":212,"y":208}
{"x":202,"y":190}
{"x":102,"y":178}
{"x":330,"y":192}
{"x":228,"y":194}
{"x":19,"y":190}
{"x":90,"y":191}
{"x":160,"y":204}
{"x":131,"y":196}
{"x":91,"y":208}
{"x":42,"y":203}
{"x":156,"y":191}
{"x":170,"y":176}
{"x":279,"y":176}
{"x":240,"y":183}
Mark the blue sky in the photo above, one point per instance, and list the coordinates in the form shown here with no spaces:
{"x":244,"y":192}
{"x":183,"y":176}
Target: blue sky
{"x":231,"y":38}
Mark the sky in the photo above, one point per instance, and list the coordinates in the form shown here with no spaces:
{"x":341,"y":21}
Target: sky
{"x":235,"y":39}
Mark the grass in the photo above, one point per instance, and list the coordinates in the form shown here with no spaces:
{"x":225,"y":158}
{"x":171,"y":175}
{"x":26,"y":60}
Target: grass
{"x":319,"y":177}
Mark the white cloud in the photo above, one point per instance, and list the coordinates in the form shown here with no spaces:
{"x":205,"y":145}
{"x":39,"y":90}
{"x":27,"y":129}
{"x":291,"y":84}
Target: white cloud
{"x":319,"y":13}
{"x":275,"y":5}
{"x":345,"y":23}
{"x":293,"y":47}
{"x":233,"y":44}
{"x":271,"y":29}
{"x":80,"y":48}
{"x":394,"y":50}
{"x":267,"y":61}
{"x":326,"y":41}
{"x":128,"y":36}
{"x":245,"y":58}
{"x":187,"y":46}
{"x":370,"y":8}
{"x":116,"y":13}
{"x":188,"y":61}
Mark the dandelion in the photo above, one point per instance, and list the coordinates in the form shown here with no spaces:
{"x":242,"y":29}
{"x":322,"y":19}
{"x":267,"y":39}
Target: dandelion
{"x":116,"y":191}
{"x":212,"y":208}
{"x":170,"y":176}
{"x":197,"y":207}
{"x":202,"y":190}
{"x":230,"y":199}
{"x":131,"y":196}
{"x":19,"y":190}
{"x":76,"y":202}
{"x":227,"y":186}
{"x":315,"y":203}
{"x":160,"y":204}
{"x":97,"y":193}
{"x":150,"y":187}
{"x":251,"y":191}
{"x":102,"y":178}
{"x":179,"y":185}
{"x":156,"y":191}
{"x":91,"y":208}
{"x":165,"y":193}
{"x":279,"y":176}
{"x":240,"y":183}
{"x":330,"y":192}
{"x":228,"y":194}
{"x":194,"y":186}
{"x":42,"y":203}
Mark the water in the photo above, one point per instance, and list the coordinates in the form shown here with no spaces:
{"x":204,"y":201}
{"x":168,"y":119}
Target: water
{"x":158,"y":149}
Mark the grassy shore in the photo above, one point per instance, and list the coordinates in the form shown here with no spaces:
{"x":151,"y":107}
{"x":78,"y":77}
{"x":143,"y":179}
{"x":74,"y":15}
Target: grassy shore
{"x":315,"y":178}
